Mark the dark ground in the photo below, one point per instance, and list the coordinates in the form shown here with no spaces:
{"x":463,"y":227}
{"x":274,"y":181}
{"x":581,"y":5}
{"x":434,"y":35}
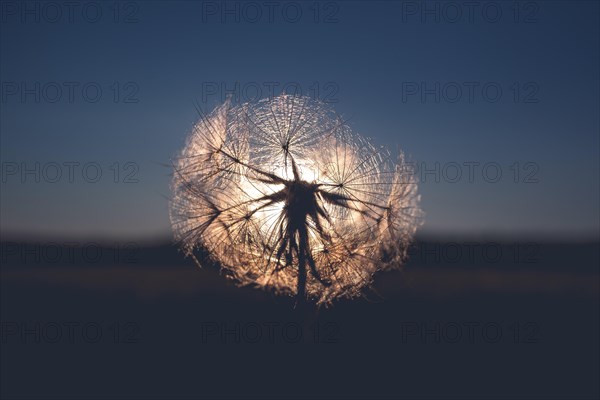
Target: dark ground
{"x":146,"y":323}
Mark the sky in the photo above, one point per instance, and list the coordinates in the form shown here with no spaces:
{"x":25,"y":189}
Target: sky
{"x":495,"y":104}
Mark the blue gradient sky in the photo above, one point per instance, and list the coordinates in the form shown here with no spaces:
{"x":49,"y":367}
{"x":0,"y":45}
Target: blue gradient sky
{"x":370,"y":56}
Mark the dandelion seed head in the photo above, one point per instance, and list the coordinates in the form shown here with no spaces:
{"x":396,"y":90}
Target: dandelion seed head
{"x":284,"y":196}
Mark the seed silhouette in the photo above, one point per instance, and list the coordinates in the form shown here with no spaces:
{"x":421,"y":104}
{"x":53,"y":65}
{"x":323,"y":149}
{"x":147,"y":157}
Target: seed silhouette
{"x":283,"y":195}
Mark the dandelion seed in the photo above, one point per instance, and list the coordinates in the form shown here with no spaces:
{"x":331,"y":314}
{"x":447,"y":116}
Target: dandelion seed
{"x":284,"y":196}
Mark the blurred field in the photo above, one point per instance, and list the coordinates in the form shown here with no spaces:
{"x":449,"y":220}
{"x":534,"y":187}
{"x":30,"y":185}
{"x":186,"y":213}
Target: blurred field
{"x":171,"y":330}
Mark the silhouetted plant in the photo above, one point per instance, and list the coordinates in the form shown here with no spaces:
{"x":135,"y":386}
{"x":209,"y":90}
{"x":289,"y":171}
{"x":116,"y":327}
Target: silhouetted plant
{"x":283,"y":195}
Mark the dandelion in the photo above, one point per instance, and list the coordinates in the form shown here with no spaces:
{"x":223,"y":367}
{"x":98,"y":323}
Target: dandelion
{"x":284,"y":196}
